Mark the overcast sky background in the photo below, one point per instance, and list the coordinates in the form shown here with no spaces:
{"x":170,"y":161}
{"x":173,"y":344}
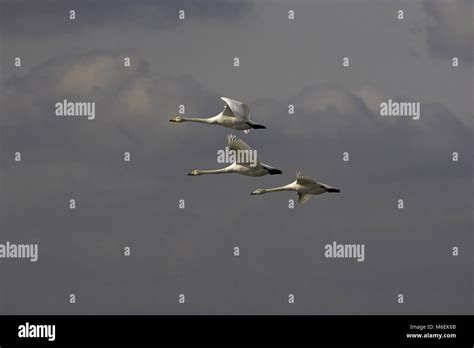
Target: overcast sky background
{"x":190,"y":251}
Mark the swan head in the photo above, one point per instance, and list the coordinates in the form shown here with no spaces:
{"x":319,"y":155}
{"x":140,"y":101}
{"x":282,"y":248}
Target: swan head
{"x":177,"y":119}
{"x":194,"y":173}
{"x":258,"y":192}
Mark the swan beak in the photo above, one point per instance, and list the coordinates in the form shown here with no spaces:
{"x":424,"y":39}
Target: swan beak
{"x":193,"y":173}
{"x":172,"y":120}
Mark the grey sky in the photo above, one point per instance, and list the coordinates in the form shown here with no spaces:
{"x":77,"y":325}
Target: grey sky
{"x":190,"y":251}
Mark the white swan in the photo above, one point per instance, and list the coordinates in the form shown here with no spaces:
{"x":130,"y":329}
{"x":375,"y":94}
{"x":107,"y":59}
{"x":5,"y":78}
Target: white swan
{"x":236,"y":115}
{"x":304,"y":186}
{"x":244,"y":168}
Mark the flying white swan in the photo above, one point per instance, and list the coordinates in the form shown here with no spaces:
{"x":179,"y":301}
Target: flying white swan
{"x":240,"y":166}
{"x":236,"y":115}
{"x":304,"y":186}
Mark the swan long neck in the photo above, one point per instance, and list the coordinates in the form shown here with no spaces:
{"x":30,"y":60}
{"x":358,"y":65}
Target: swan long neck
{"x":215,"y":171}
{"x":199,"y":120}
{"x":280,"y":188}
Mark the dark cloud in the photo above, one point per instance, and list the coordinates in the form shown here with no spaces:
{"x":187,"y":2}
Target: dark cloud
{"x":51,"y":17}
{"x":190,"y":250}
{"x":450,"y":29}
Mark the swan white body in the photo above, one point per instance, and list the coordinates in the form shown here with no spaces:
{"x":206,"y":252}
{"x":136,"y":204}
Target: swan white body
{"x":236,"y":115}
{"x":304,"y":186}
{"x":244,"y":168}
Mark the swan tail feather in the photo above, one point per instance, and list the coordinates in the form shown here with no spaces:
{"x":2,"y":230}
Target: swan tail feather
{"x":274,"y":171}
{"x":256,"y":125}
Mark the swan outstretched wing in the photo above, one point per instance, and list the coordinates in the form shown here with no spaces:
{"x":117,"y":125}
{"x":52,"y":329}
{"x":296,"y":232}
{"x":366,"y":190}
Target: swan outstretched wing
{"x":227,"y":111}
{"x":235,"y":108}
{"x":302,"y":179}
{"x":236,"y":143}
{"x":240,"y":146}
{"x":246,"y":112}
{"x":303,"y":198}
